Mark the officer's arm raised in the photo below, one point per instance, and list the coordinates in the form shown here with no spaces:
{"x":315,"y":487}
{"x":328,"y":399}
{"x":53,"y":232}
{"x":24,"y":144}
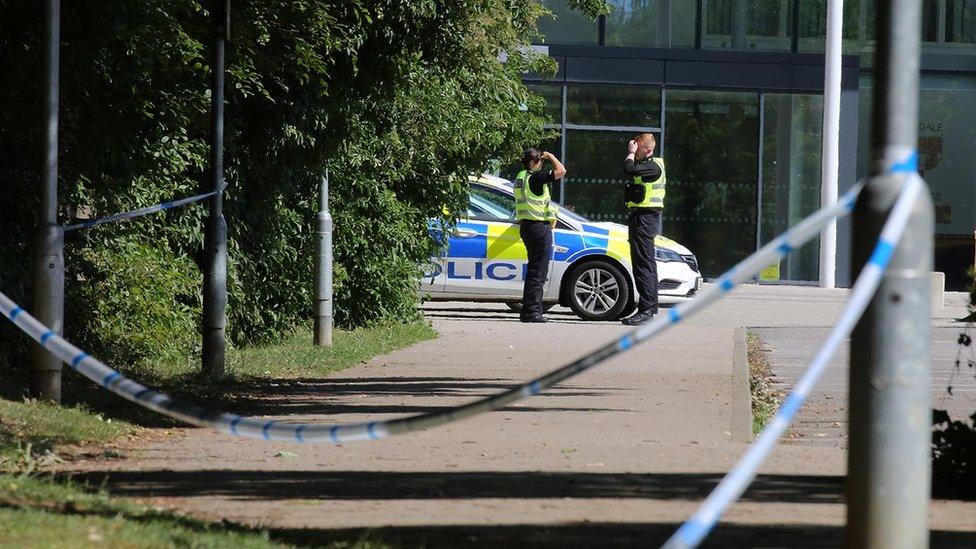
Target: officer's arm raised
{"x":558,"y":170}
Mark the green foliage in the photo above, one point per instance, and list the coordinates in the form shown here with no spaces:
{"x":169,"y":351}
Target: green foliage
{"x":953,"y":455}
{"x":43,"y":426}
{"x":294,"y":357}
{"x":140,"y":302}
{"x":400,"y":100}
{"x":765,"y":398}
{"x":44,"y":513}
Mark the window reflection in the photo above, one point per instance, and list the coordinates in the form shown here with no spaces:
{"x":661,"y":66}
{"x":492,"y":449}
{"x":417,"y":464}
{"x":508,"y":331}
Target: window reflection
{"x":568,"y":27}
{"x":761,"y":25}
{"x":712,"y":169}
{"x":792,"y":154}
{"x":651,"y":23}
{"x":613,"y":105}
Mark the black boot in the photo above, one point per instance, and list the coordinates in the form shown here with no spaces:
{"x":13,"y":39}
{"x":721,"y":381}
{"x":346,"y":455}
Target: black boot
{"x":533,"y":319}
{"x":638,"y":318}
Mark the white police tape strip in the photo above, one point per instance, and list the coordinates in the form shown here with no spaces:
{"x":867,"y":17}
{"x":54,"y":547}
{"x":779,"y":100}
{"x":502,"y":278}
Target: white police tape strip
{"x":692,"y":532}
{"x":143,"y":211}
{"x":272,"y":430}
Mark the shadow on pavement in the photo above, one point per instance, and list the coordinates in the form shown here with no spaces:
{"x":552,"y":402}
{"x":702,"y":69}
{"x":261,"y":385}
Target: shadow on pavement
{"x":590,"y":535}
{"x":369,"y":485}
{"x":329,"y":397}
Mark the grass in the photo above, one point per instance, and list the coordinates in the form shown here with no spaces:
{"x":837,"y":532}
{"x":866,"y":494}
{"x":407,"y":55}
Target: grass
{"x":249,"y":368}
{"x":765,"y":399}
{"x":42,"y":513}
{"x":295,"y":356}
{"x":51,"y":513}
{"x":30,"y":428}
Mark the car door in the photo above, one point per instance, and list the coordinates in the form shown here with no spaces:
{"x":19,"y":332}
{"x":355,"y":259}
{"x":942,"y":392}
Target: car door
{"x":500,"y":271}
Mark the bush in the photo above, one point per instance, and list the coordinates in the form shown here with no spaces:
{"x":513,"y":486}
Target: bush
{"x":401,"y":100}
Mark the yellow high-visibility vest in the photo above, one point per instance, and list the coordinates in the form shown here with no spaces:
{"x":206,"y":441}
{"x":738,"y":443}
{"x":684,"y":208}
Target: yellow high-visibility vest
{"x":531,"y":206}
{"x":653,"y":191}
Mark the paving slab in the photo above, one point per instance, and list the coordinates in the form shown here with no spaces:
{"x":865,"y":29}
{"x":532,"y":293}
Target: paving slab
{"x":617,"y":456}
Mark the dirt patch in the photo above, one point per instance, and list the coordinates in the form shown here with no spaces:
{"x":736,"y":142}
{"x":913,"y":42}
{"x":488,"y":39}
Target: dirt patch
{"x":765,"y":398}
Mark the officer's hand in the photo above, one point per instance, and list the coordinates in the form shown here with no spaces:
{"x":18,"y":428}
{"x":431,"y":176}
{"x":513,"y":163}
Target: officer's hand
{"x":632,"y":147}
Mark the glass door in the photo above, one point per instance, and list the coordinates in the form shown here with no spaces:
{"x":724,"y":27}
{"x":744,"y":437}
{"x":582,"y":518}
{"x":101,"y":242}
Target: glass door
{"x":712,"y":144}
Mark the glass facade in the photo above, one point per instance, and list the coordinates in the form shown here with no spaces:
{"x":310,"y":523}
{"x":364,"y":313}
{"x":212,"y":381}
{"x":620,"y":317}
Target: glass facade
{"x":620,"y":105}
{"x":712,"y":164}
{"x":946,"y":145}
{"x":759,"y":25}
{"x":567,"y":26}
{"x":651,"y":23}
{"x":744,"y":159}
{"x":752,"y":25}
{"x":727,"y":195}
{"x":791,"y":168}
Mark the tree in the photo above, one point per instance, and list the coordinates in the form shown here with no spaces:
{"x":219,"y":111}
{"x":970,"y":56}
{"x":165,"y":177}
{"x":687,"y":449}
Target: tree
{"x":400,"y":99}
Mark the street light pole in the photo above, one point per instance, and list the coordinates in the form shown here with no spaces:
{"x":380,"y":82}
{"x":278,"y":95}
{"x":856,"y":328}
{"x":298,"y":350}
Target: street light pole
{"x":831,"y":138}
{"x":890,"y":379}
{"x":45,"y":374}
{"x":215,"y":240}
{"x":323,"y":269}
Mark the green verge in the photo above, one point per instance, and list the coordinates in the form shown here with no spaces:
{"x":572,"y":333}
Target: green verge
{"x":765,"y":399}
{"x":30,"y":428}
{"x":295,"y":356}
{"x":43,"y":513}
{"x":52,"y":513}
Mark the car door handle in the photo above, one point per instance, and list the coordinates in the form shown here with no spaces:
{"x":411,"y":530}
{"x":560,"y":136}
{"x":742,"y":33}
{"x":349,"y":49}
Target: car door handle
{"x":466,"y":233}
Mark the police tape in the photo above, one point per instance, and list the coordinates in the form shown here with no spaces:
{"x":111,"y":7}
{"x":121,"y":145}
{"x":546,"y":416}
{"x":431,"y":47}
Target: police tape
{"x":280,"y":431}
{"x":693,"y":531}
{"x":143,"y":211}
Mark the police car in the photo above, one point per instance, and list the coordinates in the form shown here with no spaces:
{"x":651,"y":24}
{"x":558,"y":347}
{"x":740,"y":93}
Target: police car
{"x":591,"y":273}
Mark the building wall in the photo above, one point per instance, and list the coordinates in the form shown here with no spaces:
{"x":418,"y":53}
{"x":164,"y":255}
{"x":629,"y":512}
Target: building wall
{"x":733,"y":90}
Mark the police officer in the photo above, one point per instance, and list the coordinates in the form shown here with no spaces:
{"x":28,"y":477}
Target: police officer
{"x":645,"y":200}
{"x":536,"y":216}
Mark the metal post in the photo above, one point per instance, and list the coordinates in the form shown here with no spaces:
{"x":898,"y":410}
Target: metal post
{"x":215,"y":240}
{"x":890,"y":413}
{"x":831,"y":139}
{"x":740,"y":24}
{"x":323,"y":269}
{"x":45,"y":374}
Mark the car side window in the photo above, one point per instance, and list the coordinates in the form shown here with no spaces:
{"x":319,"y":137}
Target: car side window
{"x":490,"y":205}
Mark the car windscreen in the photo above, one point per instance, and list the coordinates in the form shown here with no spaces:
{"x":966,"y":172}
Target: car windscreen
{"x":484,"y":207}
{"x":482,"y":194}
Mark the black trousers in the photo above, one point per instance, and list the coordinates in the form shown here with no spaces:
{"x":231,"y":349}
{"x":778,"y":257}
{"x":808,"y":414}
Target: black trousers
{"x":643,"y":226}
{"x":537,"y":237}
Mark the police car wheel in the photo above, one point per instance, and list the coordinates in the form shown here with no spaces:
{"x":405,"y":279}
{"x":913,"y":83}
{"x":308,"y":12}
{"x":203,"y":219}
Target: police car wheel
{"x":597,"y":290}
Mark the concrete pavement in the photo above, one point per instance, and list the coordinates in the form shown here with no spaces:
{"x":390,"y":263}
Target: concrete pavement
{"x":615,"y":457}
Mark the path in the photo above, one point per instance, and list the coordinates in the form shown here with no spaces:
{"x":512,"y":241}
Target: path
{"x":615,"y":457}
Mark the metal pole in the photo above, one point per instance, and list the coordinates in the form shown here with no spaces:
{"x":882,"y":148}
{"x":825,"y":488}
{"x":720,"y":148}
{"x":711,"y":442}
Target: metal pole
{"x":740,"y":22}
{"x":831,"y":138}
{"x":215,"y":241}
{"x":890,"y":413}
{"x":45,"y":374}
{"x":323,"y":270}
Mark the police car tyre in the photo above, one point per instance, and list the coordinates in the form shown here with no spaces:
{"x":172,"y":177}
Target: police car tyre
{"x":597,"y":290}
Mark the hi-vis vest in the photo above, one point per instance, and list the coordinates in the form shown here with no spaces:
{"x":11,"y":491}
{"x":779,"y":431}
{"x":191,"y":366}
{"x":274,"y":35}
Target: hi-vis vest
{"x":641,"y":194}
{"x":530,"y":206}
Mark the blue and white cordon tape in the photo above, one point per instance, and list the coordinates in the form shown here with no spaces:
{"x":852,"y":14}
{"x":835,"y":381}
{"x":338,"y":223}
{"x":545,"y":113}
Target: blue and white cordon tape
{"x":143,"y":211}
{"x":281,"y":431}
{"x":692,"y":532}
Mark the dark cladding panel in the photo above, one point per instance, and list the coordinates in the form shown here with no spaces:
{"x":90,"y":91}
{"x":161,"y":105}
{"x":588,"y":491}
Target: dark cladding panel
{"x":623,"y":71}
{"x":752,"y":76}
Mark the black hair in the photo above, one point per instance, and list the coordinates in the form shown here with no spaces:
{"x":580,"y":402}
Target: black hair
{"x":531,"y":155}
